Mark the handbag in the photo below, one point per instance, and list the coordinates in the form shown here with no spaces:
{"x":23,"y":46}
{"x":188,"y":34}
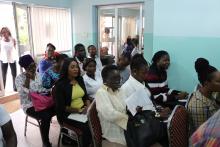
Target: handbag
{"x":144,"y":129}
{"x":41,"y":101}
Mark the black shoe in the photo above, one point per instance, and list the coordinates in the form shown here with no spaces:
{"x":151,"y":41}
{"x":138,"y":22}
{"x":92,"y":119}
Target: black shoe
{"x":47,"y":144}
{"x":66,"y":140}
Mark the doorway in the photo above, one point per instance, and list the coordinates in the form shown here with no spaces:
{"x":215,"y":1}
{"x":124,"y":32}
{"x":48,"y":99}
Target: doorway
{"x":118,"y":22}
{"x":7,"y":20}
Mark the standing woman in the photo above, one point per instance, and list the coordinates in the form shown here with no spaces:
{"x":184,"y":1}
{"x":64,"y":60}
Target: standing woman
{"x":71,"y":97}
{"x":7,"y":55}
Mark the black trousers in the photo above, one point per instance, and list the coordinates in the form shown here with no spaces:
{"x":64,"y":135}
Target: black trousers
{"x":45,"y":116}
{"x":13,"y":73}
{"x":86,"y":135}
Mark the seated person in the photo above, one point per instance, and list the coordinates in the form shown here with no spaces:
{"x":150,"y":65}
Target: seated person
{"x":92,"y":79}
{"x":123,"y":66}
{"x":30,"y":81}
{"x":111,"y":108}
{"x":136,"y":49}
{"x":139,"y":68}
{"x":202,"y":105}
{"x":103,"y":51}
{"x":71,"y":97}
{"x":93,"y":54}
{"x":53,"y":73}
{"x":108,"y":60}
{"x":157,"y":81}
{"x":8,"y":136}
{"x":207,"y":135}
{"x":80,"y":56}
{"x":49,"y":59}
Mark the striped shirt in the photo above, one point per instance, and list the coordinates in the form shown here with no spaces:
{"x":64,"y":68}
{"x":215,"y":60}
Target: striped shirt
{"x":157,"y":81}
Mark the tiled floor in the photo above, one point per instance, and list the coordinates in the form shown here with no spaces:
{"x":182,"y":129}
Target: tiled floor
{"x":32,"y":138}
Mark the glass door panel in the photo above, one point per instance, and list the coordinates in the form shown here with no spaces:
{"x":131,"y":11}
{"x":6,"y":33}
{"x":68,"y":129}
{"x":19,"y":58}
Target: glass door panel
{"x":107,"y":30}
{"x":23,"y":29}
{"x":7,"y":20}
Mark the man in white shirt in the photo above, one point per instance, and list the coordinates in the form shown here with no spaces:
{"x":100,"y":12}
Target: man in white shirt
{"x":111,"y":108}
{"x":93,"y":54}
{"x":80,"y":55}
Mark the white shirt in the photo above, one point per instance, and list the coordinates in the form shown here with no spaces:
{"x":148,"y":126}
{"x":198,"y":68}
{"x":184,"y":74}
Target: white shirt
{"x":82,"y":72}
{"x":112,"y":114}
{"x":7,"y":51}
{"x":135,"y":51}
{"x":98,"y":64}
{"x":92,"y":85}
{"x":4,"y":118}
{"x":132,"y":85}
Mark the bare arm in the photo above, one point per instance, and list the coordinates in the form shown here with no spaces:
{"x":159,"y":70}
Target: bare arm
{"x":14,"y":41}
{"x":9,"y":134}
{"x":72,"y":110}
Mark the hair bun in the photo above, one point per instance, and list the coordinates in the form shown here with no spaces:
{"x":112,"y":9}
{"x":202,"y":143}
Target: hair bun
{"x":201,"y":65}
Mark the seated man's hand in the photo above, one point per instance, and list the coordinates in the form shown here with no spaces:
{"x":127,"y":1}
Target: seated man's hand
{"x":139,"y":108}
{"x":165,"y":112}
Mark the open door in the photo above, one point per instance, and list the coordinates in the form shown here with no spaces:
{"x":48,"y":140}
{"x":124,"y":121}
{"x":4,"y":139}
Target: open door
{"x":22,"y":24}
{"x":118,"y":22}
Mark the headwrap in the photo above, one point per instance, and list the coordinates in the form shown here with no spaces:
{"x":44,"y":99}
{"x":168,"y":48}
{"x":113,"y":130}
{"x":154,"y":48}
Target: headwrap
{"x":25,"y":61}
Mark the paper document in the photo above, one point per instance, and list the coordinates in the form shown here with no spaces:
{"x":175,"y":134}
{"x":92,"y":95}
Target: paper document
{"x":183,"y":100}
{"x":78,"y":117}
{"x":140,"y":98}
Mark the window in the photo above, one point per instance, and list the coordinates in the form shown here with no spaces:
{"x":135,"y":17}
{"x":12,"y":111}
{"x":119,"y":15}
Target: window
{"x":51,"y":25}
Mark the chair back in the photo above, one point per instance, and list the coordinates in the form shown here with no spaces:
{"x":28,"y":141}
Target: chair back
{"x":94,"y":125}
{"x":188,"y":100}
{"x":177,"y":127}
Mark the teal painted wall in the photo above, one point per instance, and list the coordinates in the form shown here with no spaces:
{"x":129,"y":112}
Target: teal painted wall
{"x":187,"y":30}
{"x":183,"y":52}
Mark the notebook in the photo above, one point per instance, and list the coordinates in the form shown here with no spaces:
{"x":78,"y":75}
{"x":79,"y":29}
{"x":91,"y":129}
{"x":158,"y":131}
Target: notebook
{"x":78,"y":117}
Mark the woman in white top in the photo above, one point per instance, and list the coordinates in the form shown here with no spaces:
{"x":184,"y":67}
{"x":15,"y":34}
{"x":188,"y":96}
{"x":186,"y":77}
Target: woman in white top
{"x":92,"y":79}
{"x":7,"y":49}
{"x":111,"y":108}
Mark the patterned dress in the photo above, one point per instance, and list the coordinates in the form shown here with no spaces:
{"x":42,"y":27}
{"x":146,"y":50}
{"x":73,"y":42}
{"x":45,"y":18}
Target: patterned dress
{"x":49,"y":78}
{"x":35,"y":86}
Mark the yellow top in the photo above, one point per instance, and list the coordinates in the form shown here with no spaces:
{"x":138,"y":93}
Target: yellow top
{"x":77,"y":94}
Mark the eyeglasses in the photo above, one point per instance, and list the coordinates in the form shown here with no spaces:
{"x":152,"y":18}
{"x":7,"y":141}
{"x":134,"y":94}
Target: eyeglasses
{"x":114,"y":82}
